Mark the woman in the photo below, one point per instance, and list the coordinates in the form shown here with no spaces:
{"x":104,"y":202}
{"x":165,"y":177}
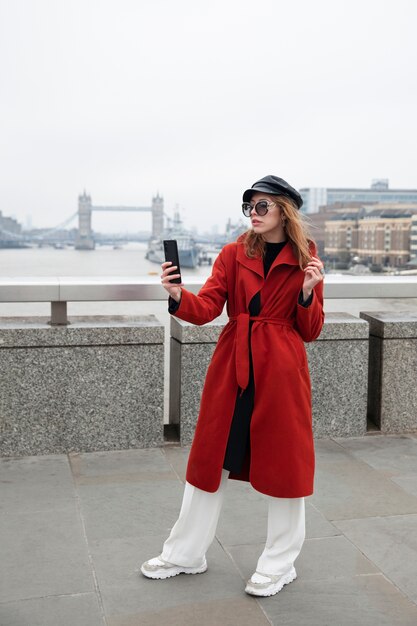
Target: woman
{"x":255,"y":414}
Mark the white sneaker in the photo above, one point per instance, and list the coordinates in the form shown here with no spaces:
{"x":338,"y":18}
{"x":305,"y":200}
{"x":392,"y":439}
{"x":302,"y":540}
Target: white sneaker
{"x":268,"y":584}
{"x":158,"y":568}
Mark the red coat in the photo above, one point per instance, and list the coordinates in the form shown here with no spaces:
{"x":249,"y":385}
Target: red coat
{"x":281,"y":438}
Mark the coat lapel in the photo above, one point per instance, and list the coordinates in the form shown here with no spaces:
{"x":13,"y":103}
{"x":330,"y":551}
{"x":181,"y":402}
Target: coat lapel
{"x":252,"y":270}
{"x":285,"y":257}
{"x":251,"y":275}
{"x":254,"y":265}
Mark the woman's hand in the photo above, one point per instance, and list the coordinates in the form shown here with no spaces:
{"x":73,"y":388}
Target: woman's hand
{"x":312,"y":275}
{"x":168,"y":272}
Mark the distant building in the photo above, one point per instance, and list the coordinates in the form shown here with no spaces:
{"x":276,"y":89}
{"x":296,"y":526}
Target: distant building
{"x":379,"y":192}
{"x":380,"y":235}
{"x":317,"y":221}
{"x":413,"y":241}
{"x":9,"y":227}
{"x":341,"y":237}
{"x":85,"y":240}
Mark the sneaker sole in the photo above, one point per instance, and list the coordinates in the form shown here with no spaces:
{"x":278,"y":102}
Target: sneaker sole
{"x":173,"y":571}
{"x":285,"y":580}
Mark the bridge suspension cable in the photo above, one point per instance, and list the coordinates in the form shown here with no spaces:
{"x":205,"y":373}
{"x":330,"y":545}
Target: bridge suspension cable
{"x":3,"y":231}
{"x":39,"y":236}
{"x":61,"y":225}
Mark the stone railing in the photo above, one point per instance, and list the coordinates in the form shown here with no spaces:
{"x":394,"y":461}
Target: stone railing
{"x":97,"y":383}
{"x":94,"y":385}
{"x":392,"y":391}
{"x":61,"y":290}
{"x":338,"y":363}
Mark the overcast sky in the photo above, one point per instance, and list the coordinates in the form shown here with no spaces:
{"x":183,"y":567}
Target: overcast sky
{"x":197,"y":100}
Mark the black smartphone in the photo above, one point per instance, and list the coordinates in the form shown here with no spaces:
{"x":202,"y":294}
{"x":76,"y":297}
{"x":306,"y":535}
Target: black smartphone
{"x":171,"y":254}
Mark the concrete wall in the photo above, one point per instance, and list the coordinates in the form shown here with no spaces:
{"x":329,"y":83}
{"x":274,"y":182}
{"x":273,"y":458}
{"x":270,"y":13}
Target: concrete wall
{"x":392,"y":398}
{"x":191,"y":351}
{"x":96,"y":384}
{"x":338,"y":363}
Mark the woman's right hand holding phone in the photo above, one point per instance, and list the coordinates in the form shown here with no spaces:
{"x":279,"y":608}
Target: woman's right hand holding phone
{"x":168,"y":272}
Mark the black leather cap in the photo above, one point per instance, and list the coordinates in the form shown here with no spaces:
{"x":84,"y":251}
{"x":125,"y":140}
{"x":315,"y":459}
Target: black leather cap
{"x":274,"y":186}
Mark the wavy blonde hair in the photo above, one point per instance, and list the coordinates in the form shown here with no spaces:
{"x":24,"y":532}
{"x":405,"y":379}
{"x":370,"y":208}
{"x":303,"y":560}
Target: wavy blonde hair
{"x":295,"y":228}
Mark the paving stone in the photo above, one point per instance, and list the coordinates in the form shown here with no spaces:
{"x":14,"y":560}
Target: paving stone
{"x":67,"y":610}
{"x":322,"y":559}
{"x":177,"y":457}
{"x":149,"y":507}
{"x":101,"y":468}
{"x":125,"y":592}
{"x":391,"y":543}
{"x":229,"y":612}
{"x":41,"y":554}
{"x":316,"y":523}
{"x":35,"y":483}
{"x":394,"y":454}
{"x":343,"y":484}
{"x":368,"y":600}
{"x":354,"y":570}
{"x":330,"y":450}
{"x":408,"y":484}
{"x":117,"y":462}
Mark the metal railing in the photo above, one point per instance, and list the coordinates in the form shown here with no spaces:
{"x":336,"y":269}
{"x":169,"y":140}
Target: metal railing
{"x":61,"y":290}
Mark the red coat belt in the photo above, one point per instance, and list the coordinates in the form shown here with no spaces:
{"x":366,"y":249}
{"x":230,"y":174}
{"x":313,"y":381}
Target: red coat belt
{"x":242,"y":342}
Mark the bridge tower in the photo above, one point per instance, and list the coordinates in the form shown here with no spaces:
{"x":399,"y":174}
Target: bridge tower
{"x":84,"y":239}
{"x":157,"y":216}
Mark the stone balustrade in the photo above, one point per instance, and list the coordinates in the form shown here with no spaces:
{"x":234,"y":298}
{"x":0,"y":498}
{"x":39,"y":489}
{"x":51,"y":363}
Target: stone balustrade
{"x":96,"y":384}
{"x":191,"y":350}
{"x":392,"y":396}
{"x":338,"y":363}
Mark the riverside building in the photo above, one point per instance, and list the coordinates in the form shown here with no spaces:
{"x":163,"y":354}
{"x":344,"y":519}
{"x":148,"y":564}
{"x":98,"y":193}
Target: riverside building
{"x":10,"y":231}
{"x":413,"y":241}
{"x":378,"y":235}
{"x":378,"y":193}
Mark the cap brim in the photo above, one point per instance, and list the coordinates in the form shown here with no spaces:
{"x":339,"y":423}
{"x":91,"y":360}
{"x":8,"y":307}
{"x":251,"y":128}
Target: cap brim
{"x":247,"y":195}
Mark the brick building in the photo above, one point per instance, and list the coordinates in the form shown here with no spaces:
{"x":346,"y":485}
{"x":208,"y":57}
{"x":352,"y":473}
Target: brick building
{"x":317,"y":221}
{"x":413,"y":244}
{"x":377,"y":235}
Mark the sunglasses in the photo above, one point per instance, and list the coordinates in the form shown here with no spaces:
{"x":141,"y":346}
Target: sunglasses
{"x":260,"y":207}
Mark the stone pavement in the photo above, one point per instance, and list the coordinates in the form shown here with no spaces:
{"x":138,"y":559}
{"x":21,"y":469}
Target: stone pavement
{"x":73,"y":529}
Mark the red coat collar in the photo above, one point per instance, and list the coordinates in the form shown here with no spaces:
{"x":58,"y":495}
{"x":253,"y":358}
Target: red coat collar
{"x":285,"y":257}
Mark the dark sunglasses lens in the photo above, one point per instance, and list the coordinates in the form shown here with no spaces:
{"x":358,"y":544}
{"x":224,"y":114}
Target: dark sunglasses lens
{"x":246,"y":209}
{"x":261,"y":207}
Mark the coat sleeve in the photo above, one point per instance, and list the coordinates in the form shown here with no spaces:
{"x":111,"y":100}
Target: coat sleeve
{"x":209,"y":302}
{"x":309,"y":319}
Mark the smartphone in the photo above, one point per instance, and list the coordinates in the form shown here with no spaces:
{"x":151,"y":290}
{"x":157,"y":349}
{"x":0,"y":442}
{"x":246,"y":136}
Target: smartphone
{"x":171,"y":254}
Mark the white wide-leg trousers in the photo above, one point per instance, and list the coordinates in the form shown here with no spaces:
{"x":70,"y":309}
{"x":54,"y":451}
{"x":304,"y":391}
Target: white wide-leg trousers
{"x":196,"y":526}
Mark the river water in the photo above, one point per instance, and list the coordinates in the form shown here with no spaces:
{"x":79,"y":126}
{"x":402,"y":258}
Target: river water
{"x":102,"y":262}
{"x":128,"y":261}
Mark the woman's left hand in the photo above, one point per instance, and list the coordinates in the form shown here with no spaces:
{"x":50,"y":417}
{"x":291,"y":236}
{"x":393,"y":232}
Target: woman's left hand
{"x":312,"y":275}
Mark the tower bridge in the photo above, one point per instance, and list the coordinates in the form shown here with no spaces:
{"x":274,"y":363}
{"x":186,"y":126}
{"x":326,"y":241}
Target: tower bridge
{"x":85,"y":240}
